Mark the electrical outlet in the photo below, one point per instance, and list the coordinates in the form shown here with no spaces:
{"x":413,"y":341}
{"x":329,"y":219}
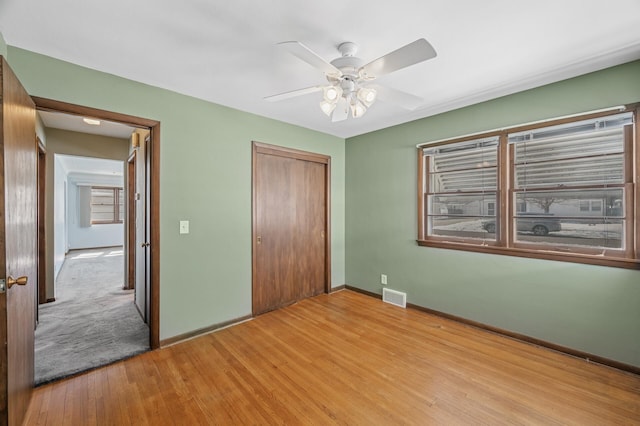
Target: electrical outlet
{"x":383,"y":279}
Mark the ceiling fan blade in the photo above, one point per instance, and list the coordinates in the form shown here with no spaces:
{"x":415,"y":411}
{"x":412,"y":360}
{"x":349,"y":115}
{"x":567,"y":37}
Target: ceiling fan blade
{"x":413,"y":53}
{"x":303,"y":52}
{"x":293,"y":94}
{"x":398,"y":97}
{"x":341,"y":112}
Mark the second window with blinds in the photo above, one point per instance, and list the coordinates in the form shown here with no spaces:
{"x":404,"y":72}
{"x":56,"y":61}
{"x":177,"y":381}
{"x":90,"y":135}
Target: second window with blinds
{"x":107,"y":205}
{"x":562,"y":191}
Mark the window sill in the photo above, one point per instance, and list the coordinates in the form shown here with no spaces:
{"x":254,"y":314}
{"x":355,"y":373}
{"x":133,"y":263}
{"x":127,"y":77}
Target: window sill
{"x":535,"y":254}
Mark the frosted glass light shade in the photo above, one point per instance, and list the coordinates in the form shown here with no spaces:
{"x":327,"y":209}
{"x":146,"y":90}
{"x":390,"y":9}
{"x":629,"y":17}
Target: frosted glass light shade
{"x":327,"y":107}
{"x":367,"y":96}
{"x":332,"y":93}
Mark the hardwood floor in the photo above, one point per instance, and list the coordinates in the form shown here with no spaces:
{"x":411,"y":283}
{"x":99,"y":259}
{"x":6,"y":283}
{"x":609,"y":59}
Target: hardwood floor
{"x":344,"y":358}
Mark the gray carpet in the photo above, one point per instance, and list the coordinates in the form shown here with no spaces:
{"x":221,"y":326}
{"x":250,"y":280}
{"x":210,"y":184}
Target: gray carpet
{"x":93,"y":321}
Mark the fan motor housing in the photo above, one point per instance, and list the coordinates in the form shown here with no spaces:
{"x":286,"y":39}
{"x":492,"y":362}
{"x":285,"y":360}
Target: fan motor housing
{"x":348,"y":65}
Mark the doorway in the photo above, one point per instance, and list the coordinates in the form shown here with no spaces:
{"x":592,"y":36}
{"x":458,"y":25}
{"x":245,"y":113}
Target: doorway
{"x":291,"y":238}
{"x":152,"y":240}
{"x":93,"y":319}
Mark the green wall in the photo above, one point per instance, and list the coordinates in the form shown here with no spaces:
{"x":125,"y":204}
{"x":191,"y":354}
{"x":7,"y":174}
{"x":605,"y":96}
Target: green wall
{"x":589,"y":308}
{"x":3,"y":46}
{"x":205,"y":276}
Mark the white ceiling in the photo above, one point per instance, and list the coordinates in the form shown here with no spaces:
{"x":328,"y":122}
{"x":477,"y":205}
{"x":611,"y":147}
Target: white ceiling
{"x":226,"y":52}
{"x":90,"y":166}
{"x":75,"y":123}
{"x":85,"y":167}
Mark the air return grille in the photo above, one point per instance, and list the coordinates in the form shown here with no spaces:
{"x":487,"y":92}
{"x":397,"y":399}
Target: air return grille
{"x":394,"y":297}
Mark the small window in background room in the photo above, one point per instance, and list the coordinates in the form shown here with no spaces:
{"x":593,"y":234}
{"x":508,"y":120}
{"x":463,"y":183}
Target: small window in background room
{"x":107,"y":205}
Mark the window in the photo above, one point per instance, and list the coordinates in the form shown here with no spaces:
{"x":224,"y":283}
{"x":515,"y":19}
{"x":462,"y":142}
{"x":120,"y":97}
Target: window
{"x":564,"y":191}
{"x":107,"y":205}
{"x":462,"y":184}
{"x":590,"y":205}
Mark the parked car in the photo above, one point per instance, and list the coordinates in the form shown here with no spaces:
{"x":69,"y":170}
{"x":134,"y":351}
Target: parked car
{"x":538,"y":224}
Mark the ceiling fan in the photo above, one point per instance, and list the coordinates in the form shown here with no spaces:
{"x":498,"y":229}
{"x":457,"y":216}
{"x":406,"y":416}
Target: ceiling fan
{"x":350,"y":88}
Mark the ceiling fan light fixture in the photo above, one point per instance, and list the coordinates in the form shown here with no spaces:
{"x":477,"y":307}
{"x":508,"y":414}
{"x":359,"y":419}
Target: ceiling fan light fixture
{"x":332,"y":93}
{"x":367,"y":96}
{"x":327,"y":107}
{"x":345,"y":94}
{"x":358,"y":109}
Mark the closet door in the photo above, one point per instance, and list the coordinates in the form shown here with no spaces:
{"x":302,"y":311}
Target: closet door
{"x":290,"y":226}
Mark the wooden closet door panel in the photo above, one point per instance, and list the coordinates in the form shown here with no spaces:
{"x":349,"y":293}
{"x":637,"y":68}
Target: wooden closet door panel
{"x":275,"y":209}
{"x":311,"y":227}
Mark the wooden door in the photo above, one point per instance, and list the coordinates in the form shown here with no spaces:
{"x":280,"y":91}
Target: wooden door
{"x":147,"y":227}
{"x":18,"y":247}
{"x":290,"y":226}
{"x":310,"y":233}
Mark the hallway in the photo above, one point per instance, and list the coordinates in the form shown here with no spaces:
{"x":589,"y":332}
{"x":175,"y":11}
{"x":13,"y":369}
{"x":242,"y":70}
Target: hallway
{"x":93,"y":321}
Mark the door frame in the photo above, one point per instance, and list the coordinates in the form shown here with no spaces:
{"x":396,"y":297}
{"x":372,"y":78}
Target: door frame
{"x":131,"y":219}
{"x":268,"y":149}
{"x":44,"y":104}
{"x":42,"y":242}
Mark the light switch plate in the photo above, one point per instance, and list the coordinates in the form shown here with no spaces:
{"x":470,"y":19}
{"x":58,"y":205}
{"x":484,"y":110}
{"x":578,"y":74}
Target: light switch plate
{"x":184,"y":226}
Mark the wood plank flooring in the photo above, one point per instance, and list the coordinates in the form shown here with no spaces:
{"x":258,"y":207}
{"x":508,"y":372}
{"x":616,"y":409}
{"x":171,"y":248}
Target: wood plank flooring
{"x":344,"y":358}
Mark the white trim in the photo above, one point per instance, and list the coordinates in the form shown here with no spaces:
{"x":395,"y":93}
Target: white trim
{"x":620,"y":108}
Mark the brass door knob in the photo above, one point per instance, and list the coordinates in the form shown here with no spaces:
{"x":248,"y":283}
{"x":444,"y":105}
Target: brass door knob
{"x":20,"y":281}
